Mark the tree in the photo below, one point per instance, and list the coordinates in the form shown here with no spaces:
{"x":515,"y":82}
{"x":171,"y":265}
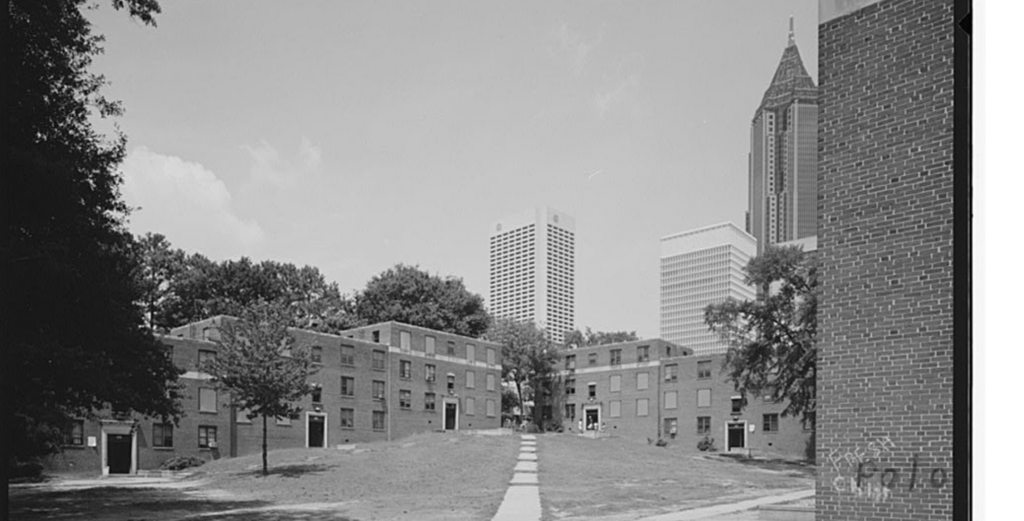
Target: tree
{"x":598,"y":338}
{"x":528,"y":356}
{"x":772,"y":340}
{"x":257,"y":363}
{"x":410,"y":295}
{"x":160,"y":267}
{"x":75,"y":340}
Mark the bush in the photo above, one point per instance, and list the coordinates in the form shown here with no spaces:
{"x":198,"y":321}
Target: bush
{"x":707,"y":444}
{"x":181,"y":463}
{"x":661,"y":443}
{"x":24,"y":470}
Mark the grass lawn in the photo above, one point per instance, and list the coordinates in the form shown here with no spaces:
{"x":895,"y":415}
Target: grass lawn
{"x":616,"y":478}
{"x":424,"y":477}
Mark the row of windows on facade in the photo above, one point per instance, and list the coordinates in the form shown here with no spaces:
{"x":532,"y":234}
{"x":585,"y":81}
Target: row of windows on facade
{"x":379,"y":358}
{"x":770,"y":422}
{"x":643,"y":354}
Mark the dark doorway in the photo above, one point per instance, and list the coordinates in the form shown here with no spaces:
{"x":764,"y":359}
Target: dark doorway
{"x":593,"y":419}
{"x":737,"y":436}
{"x":451,"y":411}
{"x":119,"y":453}
{"x":316,"y":431}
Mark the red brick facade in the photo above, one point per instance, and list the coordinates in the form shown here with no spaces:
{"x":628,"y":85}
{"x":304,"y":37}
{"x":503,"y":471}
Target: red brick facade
{"x":885,"y":241}
{"x":398,"y":363}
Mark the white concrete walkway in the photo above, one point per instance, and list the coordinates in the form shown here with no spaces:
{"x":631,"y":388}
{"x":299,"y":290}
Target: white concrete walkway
{"x":729,"y":511}
{"x":522,"y":499}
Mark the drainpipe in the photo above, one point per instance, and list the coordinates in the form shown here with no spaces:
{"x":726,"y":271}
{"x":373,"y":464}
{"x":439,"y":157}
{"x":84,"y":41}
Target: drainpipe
{"x":387,"y":390}
{"x":657,"y":400}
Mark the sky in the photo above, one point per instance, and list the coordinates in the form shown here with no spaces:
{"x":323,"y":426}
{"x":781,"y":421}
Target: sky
{"x":353,"y":136}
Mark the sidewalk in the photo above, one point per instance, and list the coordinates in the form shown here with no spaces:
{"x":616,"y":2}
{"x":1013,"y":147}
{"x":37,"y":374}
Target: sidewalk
{"x":522,"y":499}
{"x":740,"y":511}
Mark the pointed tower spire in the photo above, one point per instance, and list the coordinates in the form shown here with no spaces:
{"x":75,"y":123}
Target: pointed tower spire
{"x":792,"y":37}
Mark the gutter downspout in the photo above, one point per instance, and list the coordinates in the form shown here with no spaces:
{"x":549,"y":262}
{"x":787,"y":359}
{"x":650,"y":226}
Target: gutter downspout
{"x":387,"y":392}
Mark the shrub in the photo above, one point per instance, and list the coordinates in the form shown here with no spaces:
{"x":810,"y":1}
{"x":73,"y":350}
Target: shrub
{"x":706,"y":444}
{"x":661,"y":443}
{"x":181,"y":463}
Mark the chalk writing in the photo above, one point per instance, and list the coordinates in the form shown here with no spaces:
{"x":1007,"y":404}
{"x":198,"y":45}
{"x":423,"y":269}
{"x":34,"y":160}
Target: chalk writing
{"x":858,"y":472}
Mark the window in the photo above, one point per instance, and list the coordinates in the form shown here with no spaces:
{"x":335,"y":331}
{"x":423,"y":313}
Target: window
{"x":471,"y":352}
{"x":570,"y":386}
{"x":570,"y":362}
{"x":616,"y":356}
{"x":378,"y":360}
{"x":491,"y":409}
{"x":490,"y":356}
{"x":641,"y":407}
{"x":451,"y":384}
{"x":703,"y":397}
{"x":284,"y":420}
{"x":642,"y":381}
{"x":614,"y":408}
{"x":348,"y":418}
{"x":75,"y":433}
{"x":316,"y":353}
{"x":206,"y":356}
{"x":591,"y":391}
{"x":348,"y":355}
{"x":431,"y":372}
{"x":378,"y":390}
{"x":378,"y":420}
{"x":615,"y":383}
{"x":704,"y":369}
{"x":375,"y":336}
{"x":490,"y":382}
{"x":771,"y":423}
{"x":429,"y":399}
{"x":405,"y":340}
{"x":592,"y":359}
{"x":242,"y":416}
{"x":207,"y":400}
{"x":405,"y":369}
{"x":451,"y":348}
{"x":643,"y":354}
{"x":671,"y":372}
{"x":208,"y":333}
{"x":703,"y":424}
{"x":431,"y":345}
{"x":671,"y":427}
{"x":405,"y":399}
{"x":737,"y":404}
{"x":207,"y":436}
{"x":348,"y":386}
{"x":163,"y":435}
{"x":317,"y":393}
{"x":470,"y":380}
{"x":570,"y":412}
{"x":670,"y":399}
{"x":470,"y":406}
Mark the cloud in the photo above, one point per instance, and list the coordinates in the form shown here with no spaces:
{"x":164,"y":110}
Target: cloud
{"x":269,"y":166}
{"x":188,"y":203}
{"x":621,"y":92}
{"x":575,"y":46}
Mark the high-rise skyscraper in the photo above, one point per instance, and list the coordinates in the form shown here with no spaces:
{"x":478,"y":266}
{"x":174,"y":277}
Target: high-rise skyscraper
{"x":783,"y":183}
{"x":533,"y":269}
{"x":701,"y":267}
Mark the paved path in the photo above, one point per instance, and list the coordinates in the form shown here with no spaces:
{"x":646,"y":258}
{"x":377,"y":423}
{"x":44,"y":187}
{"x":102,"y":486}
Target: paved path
{"x":723,"y":512}
{"x":522,"y":499}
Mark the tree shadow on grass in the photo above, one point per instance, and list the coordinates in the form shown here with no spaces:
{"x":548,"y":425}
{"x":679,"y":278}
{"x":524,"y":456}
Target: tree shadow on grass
{"x":776,"y":464}
{"x":293,"y":471}
{"x":117,"y":504}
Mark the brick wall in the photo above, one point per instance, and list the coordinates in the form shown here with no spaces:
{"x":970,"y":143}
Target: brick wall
{"x":885,"y":243}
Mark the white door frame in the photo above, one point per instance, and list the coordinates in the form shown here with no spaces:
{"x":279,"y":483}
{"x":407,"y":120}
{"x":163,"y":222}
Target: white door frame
{"x":324,"y":416}
{"x":116,"y":427}
{"x":444,"y":411}
{"x":731,"y":422}
{"x":587,"y":407}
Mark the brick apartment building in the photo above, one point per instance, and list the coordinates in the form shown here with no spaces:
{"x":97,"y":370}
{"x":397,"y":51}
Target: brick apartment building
{"x":888,"y":347}
{"x":655,"y":389}
{"x":379,"y":382}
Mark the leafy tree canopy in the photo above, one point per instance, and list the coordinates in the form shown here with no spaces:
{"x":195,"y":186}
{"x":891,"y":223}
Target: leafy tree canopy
{"x":598,"y":338}
{"x":259,"y":365}
{"x":528,"y":355}
{"x":772,"y":340}
{"x":410,"y":295}
{"x":75,"y":340}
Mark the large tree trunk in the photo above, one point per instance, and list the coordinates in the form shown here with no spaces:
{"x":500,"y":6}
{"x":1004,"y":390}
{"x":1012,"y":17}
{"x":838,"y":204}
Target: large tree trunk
{"x":264,"y":444}
{"x":522,"y":405}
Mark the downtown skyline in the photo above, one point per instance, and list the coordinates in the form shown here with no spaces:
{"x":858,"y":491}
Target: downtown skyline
{"x":273,"y":133}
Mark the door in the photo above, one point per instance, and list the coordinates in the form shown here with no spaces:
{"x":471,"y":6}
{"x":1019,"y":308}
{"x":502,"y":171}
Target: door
{"x":119,"y":453}
{"x":593,"y":419}
{"x":451,"y":411}
{"x":316,"y":431}
{"x":737,"y":436}
{"x":671,"y":425}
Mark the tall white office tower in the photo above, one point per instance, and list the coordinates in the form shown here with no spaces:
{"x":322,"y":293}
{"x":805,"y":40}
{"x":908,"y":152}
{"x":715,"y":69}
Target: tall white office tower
{"x":701,"y":267}
{"x":533,"y":269}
